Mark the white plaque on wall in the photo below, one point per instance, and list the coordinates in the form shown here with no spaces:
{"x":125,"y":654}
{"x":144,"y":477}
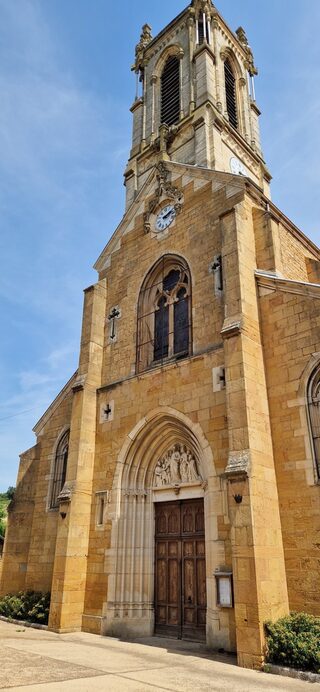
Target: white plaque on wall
{"x":224,"y":589}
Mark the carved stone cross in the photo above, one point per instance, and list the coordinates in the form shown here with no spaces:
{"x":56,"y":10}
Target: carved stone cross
{"x":107,"y":411}
{"x":114,"y":315}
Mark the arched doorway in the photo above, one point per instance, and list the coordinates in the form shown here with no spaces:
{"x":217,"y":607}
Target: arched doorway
{"x":166,"y":461}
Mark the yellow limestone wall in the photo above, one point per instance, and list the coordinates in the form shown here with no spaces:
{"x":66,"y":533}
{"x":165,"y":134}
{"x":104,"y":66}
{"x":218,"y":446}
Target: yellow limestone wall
{"x":258,"y":562}
{"x":291,"y":335}
{"x":218,"y":217}
{"x":71,"y":551}
{"x":18,"y":532}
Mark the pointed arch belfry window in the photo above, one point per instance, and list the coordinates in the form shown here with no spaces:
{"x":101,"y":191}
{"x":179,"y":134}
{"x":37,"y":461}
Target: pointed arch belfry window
{"x":60,"y":469}
{"x":314,"y":416}
{"x":231,"y":97}
{"x":170,"y":91}
{"x":164,"y":313}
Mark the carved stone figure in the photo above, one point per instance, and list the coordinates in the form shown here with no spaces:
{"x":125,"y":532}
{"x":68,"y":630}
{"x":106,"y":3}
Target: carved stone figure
{"x":183,"y":464}
{"x":145,"y":39}
{"x":245,"y":44}
{"x":191,"y":468}
{"x":176,"y":467}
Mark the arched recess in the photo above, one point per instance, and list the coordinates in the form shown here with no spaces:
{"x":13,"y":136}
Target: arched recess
{"x":173,"y":50}
{"x":130,"y":559}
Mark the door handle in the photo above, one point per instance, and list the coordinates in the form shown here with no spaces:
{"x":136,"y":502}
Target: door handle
{"x":190,"y":600}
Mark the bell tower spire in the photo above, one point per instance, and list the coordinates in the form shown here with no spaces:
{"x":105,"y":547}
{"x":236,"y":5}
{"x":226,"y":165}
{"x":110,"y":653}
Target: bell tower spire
{"x":195,"y":100}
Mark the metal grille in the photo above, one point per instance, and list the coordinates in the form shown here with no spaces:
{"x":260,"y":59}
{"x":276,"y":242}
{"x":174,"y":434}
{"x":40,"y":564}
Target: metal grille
{"x":60,"y":469}
{"x":314,"y":415}
{"x":170,"y":92}
{"x":164,"y":319}
{"x":230,"y":83}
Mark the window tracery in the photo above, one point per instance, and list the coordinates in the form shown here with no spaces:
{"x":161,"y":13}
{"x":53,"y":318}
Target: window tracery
{"x":164,"y":313}
{"x":314,"y":416}
{"x":60,"y":469}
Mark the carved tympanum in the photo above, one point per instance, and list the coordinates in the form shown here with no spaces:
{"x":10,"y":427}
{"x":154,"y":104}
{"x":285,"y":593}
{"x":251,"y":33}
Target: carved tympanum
{"x":175,"y":467}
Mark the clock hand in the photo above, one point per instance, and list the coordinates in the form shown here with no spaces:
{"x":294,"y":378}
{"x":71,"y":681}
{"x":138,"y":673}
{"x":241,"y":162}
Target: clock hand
{"x":167,"y":214}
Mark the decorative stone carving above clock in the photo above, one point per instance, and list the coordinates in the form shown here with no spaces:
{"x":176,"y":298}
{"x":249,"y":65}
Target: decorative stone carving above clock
{"x":164,"y":192}
{"x":177,"y":466}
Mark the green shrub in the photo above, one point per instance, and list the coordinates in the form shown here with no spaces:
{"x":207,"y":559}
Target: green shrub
{"x":32,"y":606}
{"x":294,"y":641}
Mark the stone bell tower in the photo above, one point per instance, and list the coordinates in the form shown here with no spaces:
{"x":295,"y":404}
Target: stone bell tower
{"x":195,"y":99}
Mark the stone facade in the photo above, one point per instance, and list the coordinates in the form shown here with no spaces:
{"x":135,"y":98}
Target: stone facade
{"x":226,"y":420}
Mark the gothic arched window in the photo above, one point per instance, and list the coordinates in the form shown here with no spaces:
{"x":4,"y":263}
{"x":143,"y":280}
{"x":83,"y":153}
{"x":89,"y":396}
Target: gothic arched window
{"x":231,"y":98}
{"x":314,"y":416}
{"x":164,"y":313}
{"x":60,"y":469}
{"x":170,"y":91}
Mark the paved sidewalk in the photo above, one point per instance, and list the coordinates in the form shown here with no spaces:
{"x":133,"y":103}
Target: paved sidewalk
{"x":46,"y":662}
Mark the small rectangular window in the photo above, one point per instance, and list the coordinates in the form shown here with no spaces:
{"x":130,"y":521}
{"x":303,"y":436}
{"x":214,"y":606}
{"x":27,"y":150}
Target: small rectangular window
{"x":101,"y":506}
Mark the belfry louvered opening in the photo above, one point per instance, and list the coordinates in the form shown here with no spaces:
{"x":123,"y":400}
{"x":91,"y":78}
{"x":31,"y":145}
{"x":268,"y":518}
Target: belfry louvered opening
{"x":170,"y":92}
{"x":230,"y":84}
{"x":200,"y":31}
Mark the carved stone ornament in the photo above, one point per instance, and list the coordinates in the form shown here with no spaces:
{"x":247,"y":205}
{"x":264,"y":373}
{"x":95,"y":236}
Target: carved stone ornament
{"x":164,"y":191}
{"x":239,"y":463}
{"x":167,"y":135}
{"x":66,"y":493}
{"x":135,"y":492}
{"x":250,"y":66}
{"x":176,"y":467}
{"x":145,"y":39}
{"x":201,"y":6}
{"x":79,"y":383}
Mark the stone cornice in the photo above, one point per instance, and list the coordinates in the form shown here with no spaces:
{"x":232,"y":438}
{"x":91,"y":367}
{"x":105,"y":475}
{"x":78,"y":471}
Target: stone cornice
{"x":273,"y":282}
{"x":231,"y":328}
{"x":183,"y":15}
{"x":151,"y":46}
{"x":56,"y":402}
{"x":204,"y":48}
{"x":257,"y":194}
{"x":255,"y":108}
{"x":170,"y":365}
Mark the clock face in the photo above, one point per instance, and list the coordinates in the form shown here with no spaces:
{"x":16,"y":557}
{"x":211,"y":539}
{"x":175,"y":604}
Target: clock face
{"x":165,"y":217}
{"x":237,"y":167}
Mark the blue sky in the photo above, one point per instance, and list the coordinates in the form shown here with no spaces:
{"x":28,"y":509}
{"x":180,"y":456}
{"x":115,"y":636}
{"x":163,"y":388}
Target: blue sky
{"x":65,"y":126}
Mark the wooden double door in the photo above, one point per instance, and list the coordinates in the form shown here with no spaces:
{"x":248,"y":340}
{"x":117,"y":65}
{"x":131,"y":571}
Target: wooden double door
{"x":180,"y":570}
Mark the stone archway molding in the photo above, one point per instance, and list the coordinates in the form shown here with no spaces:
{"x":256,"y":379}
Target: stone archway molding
{"x":129,"y":610}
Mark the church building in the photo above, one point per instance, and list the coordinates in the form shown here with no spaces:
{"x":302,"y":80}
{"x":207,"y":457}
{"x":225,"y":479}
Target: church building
{"x":174,"y":487}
